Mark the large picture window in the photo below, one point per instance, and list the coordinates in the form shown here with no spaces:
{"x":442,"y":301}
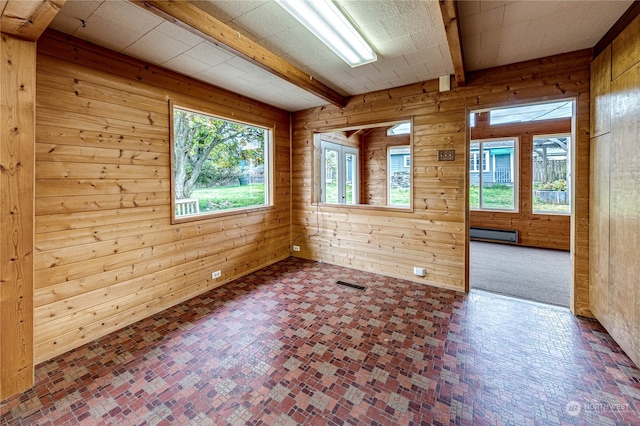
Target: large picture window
{"x":495,"y":188}
{"x":219,"y":165}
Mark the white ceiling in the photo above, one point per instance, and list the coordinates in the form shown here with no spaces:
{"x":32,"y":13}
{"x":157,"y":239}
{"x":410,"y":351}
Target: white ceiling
{"x":504,"y":32}
{"x":408,"y":36}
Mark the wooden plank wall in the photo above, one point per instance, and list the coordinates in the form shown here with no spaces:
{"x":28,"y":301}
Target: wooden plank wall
{"x":106,"y":254}
{"x":534,"y":230}
{"x":17,"y":133}
{"x":615,"y":194}
{"x":434,"y":235}
{"x":373,"y":158}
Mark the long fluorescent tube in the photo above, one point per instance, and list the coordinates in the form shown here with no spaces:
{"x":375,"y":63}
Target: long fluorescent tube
{"x":326,"y":22}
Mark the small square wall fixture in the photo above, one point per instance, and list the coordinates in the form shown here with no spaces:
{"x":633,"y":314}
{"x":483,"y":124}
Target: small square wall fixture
{"x":330,"y":26}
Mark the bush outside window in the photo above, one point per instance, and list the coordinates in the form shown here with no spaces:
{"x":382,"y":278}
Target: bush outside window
{"x":218,"y":164}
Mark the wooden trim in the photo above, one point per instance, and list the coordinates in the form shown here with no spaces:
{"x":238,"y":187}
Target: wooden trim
{"x":17,"y":168}
{"x":27,"y":19}
{"x":623,"y":22}
{"x":193,"y":19}
{"x":449,"y":9}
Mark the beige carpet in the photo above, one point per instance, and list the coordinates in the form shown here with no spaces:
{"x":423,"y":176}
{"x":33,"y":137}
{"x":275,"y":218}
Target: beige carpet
{"x":540,"y":275}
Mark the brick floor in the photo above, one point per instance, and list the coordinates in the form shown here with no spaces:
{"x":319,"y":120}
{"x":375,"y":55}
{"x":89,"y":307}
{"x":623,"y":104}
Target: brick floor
{"x":287,"y":346}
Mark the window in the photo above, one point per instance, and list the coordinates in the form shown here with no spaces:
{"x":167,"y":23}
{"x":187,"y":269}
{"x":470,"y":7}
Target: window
{"x":475,"y":158}
{"x":403,"y":128}
{"x":536,"y":112}
{"x":339,"y":173}
{"x":399,"y":175}
{"x":496,"y":187}
{"x":551,"y":174}
{"x":369,"y":165}
{"x":218,"y":165}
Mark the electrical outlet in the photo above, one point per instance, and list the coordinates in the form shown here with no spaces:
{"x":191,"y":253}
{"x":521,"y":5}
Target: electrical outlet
{"x":216,"y":274}
{"x":296,"y":248}
{"x":420,"y":272}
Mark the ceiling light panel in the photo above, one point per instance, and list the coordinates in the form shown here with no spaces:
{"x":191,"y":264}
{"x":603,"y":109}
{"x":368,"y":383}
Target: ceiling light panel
{"x":329,"y":25}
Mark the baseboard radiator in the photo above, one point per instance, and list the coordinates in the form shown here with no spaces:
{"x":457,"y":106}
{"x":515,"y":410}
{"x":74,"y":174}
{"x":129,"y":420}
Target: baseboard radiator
{"x":498,"y":235}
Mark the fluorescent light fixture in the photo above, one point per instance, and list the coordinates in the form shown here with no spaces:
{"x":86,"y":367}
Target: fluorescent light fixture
{"x":326,"y":22}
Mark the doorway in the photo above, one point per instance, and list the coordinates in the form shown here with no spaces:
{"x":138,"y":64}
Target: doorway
{"x":520,"y":185}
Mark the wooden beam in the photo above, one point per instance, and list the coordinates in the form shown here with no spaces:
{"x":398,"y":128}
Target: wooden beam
{"x":17,"y":166}
{"x":449,"y":9}
{"x":217,"y":32}
{"x":27,"y":19}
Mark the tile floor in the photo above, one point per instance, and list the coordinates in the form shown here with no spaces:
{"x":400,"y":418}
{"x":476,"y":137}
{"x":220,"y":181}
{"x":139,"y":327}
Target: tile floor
{"x":286,"y":345}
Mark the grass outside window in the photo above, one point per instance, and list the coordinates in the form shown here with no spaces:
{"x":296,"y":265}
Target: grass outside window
{"x":499,"y":196}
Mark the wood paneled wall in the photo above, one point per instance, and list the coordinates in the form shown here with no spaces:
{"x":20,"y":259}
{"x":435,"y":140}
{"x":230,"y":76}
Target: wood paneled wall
{"x":534,"y":230}
{"x":374,"y":160}
{"x":434,"y":235}
{"x":17,"y":133}
{"x":615,"y":189}
{"x":106,"y":254}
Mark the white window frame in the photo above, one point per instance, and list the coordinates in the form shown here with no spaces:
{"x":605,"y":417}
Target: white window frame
{"x":486,"y":166}
{"x":405,"y":157}
{"x":569,"y":173}
{"x":341,"y":172}
{"x":514,"y":171}
{"x":473,"y":162}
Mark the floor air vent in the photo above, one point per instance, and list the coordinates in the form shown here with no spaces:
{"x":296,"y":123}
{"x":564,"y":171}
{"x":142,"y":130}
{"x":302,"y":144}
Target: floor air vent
{"x":499,"y":235}
{"x":356,"y":286}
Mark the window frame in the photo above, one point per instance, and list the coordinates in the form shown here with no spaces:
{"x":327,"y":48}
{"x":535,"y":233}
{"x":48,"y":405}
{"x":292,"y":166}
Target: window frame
{"x":568,"y":179}
{"x":269,"y":165}
{"x":316,"y":193}
{"x":341,"y":183}
{"x":495,"y":119}
{"x":486,"y":164}
{"x":404,"y":158}
{"x":515,"y":172}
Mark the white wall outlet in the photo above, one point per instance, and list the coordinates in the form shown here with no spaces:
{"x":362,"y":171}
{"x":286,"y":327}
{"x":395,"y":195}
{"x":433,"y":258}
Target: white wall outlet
{"x":421,"y":272}
{"x":216,"y":274}
{"x":296,"y":248}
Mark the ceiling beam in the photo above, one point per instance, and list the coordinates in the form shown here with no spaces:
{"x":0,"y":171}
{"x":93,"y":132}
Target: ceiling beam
{"x":211,"y":29}
{"x":450,"y":18}
{"x":27,"y":19}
